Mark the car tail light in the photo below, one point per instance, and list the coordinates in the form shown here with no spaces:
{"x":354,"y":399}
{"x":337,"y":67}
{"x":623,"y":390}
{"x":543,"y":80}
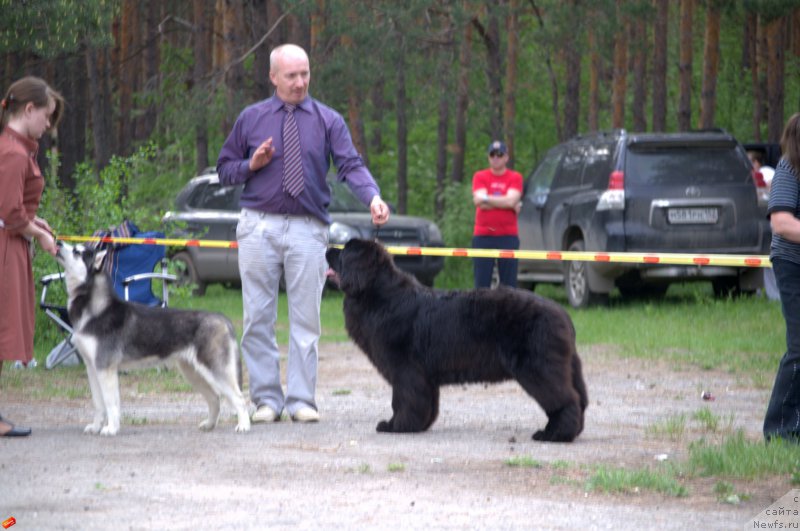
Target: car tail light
{"x":762,"y":190}
{"x":614,"y":196}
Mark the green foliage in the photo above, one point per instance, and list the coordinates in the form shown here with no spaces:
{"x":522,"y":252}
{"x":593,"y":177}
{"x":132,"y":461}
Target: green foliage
{"x":457,"y":227}
{"x":738,"y":457}
{"x":100,"y":201}
{"x":48,"y":28}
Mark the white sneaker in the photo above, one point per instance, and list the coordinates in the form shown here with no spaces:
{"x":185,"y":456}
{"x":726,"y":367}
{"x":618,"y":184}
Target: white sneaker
{"x":305,"y":414}
{"x":265,"y":414}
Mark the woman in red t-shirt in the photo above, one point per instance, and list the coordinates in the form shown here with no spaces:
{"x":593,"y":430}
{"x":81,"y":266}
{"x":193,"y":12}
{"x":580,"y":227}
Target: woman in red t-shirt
{"x":496,"y":193}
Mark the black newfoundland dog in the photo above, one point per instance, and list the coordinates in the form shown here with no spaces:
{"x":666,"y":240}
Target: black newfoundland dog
{"x":420,"y":338}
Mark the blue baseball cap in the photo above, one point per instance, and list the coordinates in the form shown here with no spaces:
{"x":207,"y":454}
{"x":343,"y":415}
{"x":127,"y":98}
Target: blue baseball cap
{"x":498,"y":146}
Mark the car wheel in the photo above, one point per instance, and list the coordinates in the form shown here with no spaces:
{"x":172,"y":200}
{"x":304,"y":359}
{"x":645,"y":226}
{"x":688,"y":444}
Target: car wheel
{"x":576,"y":281}
{"x":187,"y":273}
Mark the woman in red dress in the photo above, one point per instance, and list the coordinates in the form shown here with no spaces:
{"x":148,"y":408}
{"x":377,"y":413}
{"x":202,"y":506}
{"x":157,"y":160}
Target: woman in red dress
{"x":29,"y":109}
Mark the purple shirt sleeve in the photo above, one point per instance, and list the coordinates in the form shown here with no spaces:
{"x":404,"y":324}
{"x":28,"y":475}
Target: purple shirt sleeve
{"x":324,"y":137}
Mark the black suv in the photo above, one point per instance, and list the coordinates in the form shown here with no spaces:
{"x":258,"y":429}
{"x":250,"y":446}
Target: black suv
{"x":693,"y":192}
{"x":207,"y":210}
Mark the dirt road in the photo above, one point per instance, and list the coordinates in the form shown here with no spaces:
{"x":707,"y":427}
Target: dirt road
{"x":160,"y":472}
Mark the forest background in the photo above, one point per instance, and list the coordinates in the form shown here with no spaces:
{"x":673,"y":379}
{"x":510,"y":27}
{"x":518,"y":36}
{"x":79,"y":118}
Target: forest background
{"x":154,"y":86}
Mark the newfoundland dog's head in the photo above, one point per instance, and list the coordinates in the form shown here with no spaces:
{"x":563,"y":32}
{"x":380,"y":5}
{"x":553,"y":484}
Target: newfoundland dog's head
{"x":358,"y":266}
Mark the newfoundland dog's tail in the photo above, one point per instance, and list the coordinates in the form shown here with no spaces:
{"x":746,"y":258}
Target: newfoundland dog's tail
{"x":577,"y":381}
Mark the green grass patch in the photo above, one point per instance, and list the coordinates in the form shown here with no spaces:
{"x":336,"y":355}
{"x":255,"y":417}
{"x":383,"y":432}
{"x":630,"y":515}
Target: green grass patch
{"x":672,"y":428}
{"x":229,"y":302}
{"x":726,"y":493}
{"x":396,"y":467}
{"x":689,"y":327}
{"x":737,"y":457}
{"x":710,"y":422}
{"x":619,"y":480}
{"x":160,"y":380}
{"x":523,"y":461}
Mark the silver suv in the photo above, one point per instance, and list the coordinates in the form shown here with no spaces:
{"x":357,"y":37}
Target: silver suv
{"x":209,"y":211}
{"x":617,"y":191}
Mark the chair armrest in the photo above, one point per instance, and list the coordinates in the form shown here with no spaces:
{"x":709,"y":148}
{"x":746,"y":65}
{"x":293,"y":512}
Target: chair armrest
{"x":47,"y":279}
{"x":166,"y":277}
{"x":146,"y":276}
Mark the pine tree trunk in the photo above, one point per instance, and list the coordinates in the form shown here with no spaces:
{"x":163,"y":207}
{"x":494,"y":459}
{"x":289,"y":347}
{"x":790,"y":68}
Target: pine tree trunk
{"x":494,"y":72}
{"x":751,"y":61}
{"x":232,"y":24}
{"x":441,"y":143}
{"x":660,"y":65}
{"x":402,"y":131}
{"x":380,"y":109}
{"x":151,"y":59}
{"x":128,"y":68}
{"x":101,"y":121}
{"x":462,"y":104}
{"x":639,"y":75}
{"x":201,"y":14}
{"x":512,"y":53}
{"x":260,"y":85}
{"x":708,"y":96}
{"x":72,"y":129}
{"x":685,"y":66}
{"x":593,"y":117}
{"x":572,"y":95}
{"x":775,"y":30}
{"x":620,"y":70}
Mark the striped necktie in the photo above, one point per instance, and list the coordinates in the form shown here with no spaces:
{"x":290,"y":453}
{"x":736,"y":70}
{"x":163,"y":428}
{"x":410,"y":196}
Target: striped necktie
{"x":293,"y":183}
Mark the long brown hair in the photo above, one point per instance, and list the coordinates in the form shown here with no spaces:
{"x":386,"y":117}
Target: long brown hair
{"x":34,"y":90}
{"x":790,"y":143}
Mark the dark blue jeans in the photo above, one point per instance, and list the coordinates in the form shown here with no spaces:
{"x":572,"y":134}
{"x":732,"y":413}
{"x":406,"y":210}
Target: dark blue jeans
{"x":506,"y":267}
{"x":783,"y":412}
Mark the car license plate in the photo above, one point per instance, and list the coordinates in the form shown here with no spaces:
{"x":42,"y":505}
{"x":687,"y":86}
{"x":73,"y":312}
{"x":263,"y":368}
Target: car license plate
{"x":687,"y":216}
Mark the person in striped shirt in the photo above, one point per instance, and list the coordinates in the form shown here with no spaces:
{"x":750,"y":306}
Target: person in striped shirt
{"x":783,"y":412}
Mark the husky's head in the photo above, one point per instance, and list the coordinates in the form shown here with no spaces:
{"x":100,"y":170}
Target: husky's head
{"x":79,"y":263}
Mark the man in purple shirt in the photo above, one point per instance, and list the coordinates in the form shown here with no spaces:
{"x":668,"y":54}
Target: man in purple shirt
{"x":283,"y":227}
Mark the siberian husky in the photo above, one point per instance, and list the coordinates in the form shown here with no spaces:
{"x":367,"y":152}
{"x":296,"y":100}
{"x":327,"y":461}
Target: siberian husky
{"x":112,"y":334}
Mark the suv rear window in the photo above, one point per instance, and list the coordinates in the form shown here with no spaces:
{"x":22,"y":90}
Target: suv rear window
{"x":213,"y":196}
{"x":667,"y":165}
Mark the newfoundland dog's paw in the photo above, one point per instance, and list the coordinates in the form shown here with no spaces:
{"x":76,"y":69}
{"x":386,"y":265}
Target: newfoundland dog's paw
{"x":541,"y":435}
{"x":384,"y":426}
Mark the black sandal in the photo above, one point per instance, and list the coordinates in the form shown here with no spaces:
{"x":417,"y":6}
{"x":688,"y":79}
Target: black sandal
{"x":14,"y":431}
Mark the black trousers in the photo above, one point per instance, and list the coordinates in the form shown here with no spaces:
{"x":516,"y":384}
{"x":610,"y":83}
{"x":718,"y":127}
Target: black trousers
{"x":506,"y":267}
{"x":783,"y":412}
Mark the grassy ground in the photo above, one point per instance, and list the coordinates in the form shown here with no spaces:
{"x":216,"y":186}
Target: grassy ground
{"x":688,"y":326}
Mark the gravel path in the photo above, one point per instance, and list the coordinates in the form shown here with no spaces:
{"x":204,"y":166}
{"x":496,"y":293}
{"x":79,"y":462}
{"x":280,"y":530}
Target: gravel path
{"x":163,"y":473}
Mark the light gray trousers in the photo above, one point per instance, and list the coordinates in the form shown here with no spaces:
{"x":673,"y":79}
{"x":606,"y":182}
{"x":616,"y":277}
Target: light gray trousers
{"x":271,"y":244}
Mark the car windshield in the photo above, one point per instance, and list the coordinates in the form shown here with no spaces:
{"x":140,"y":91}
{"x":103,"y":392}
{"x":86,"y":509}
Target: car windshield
{"x":683,"y":164}
{"x":343,"y":200}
